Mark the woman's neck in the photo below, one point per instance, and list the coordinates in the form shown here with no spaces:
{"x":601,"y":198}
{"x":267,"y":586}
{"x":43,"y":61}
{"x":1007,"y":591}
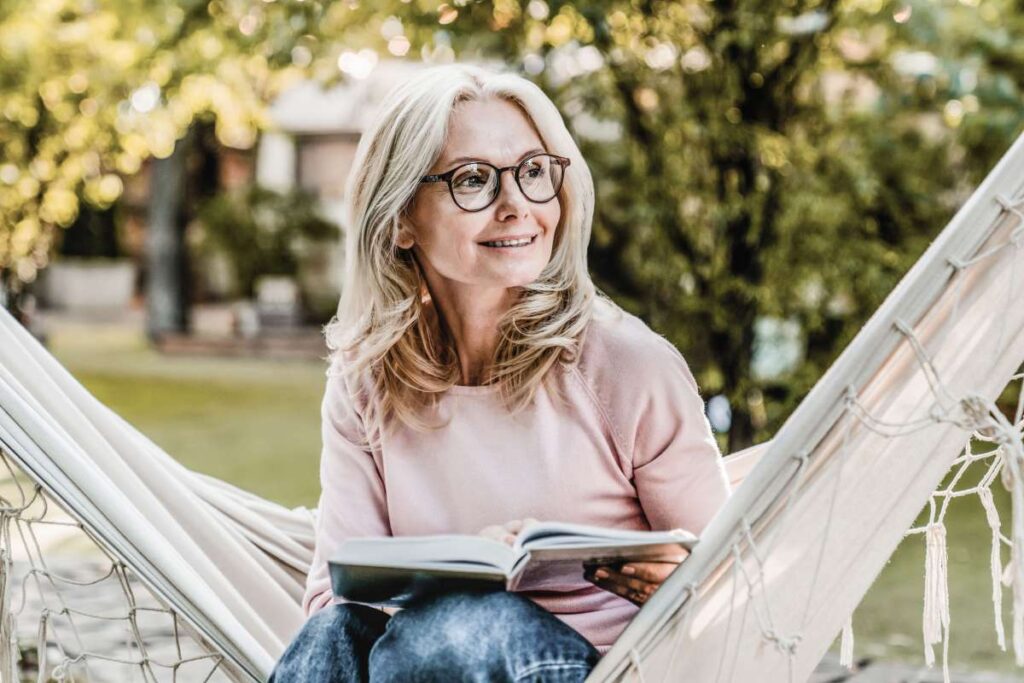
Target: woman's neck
{"x":471,"y":318}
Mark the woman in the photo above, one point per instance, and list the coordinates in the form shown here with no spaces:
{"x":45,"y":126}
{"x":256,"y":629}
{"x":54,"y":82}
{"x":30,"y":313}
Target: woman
{"x":478,"y":381}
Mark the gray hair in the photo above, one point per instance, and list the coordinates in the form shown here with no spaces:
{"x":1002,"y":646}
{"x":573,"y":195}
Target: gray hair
{"x":385,"y":325}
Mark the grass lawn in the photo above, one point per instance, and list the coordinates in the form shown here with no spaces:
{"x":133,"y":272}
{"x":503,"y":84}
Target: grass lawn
{"x":256,"y":424}
{"x":887,"y":624}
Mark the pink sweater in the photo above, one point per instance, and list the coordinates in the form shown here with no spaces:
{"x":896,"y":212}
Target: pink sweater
{"x":631,"y":449}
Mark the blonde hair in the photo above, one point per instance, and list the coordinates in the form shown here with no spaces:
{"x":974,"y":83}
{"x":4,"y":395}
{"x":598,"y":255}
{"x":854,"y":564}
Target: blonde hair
{"x":385,"y":325}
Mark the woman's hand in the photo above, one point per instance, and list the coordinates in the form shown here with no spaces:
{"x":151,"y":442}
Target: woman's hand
{"x":506,"y":533}
{"x":634,"y":581}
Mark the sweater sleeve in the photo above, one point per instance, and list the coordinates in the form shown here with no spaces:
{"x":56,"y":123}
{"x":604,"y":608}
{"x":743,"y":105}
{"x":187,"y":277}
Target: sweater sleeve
{"x":678,"y":471}
{"x":352,"y":498}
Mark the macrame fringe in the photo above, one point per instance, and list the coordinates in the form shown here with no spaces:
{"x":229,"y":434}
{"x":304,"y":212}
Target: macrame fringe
{"x":1013,"y":456}
{"x":41,"y":649}
{"x":936,"y":590}
{"x":986,"y":419}
{"x":846,"y":645}
{"x":10,"y":655}
{"x":992,"y":515}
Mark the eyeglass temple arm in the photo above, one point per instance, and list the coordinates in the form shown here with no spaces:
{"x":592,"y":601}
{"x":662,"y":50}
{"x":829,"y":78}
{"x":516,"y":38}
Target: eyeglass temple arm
{"x":565,"y":161}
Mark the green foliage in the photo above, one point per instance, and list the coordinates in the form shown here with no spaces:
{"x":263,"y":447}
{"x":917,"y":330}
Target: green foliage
{"x":89,"y":90}
{"x":262,"y":232}
{"x":786,"y":159}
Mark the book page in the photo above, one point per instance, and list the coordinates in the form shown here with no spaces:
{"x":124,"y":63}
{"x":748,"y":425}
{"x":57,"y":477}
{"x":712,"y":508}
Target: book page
{"x":564,"y":534}
{"x":416,"y":551}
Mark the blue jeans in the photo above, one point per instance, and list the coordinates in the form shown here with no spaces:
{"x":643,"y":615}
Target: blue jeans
{"x":461,"y":636}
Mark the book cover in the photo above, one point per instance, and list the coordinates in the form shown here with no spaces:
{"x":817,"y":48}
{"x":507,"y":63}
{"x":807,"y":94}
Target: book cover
{"x":551,"y":556}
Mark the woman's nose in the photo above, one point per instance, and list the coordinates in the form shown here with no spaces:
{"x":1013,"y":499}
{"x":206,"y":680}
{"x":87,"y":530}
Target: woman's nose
{"x":510,"y":197}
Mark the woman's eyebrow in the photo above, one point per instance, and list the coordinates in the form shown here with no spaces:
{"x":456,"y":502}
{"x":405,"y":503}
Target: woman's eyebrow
{"x":459,"y":160}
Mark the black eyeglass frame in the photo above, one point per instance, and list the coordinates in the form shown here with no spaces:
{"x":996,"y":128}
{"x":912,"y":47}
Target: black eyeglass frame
{"x":448,"y":175}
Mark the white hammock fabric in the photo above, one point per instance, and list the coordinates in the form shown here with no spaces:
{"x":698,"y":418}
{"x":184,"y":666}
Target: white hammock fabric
{"x":777,"y":573}
{"x":228,"y":562}
{"x":780,"y":569}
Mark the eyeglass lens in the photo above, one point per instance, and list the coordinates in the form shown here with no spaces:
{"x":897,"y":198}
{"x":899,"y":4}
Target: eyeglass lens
{"x":475,"y":185}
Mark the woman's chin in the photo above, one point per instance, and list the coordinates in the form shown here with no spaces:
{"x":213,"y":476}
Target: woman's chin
{"x":520,"y":277}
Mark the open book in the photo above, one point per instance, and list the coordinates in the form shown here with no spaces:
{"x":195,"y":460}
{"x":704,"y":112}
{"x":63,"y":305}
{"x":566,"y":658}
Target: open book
{"x":392,"y":570}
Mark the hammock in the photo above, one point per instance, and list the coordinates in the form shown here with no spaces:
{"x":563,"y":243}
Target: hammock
{"x":775,"y":577}
{"x":780,"y":569}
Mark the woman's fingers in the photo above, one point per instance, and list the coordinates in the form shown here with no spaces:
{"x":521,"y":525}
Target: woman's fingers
{"x":514,"y":526}
{"x":649,"y":571}
{"x":529,"y":521}
{"x":506,"y":533}
{"x":635,"y":581}
{"x":637,"y":593}
{"x":498,"y":532}
{"x":517,"y":525}
{"x":616,"y":578}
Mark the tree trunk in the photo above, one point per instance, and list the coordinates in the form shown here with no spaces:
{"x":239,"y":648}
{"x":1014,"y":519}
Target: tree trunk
{"x":8,"y":291}
{"x":166,"y":256}
{"x":741,"y":431}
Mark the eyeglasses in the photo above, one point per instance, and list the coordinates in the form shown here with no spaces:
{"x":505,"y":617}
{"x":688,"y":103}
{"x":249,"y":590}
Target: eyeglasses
{"x":475,"y":186}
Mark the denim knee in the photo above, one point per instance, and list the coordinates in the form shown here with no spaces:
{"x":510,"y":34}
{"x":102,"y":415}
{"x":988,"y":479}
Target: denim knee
{"x":473,"y":636}
{"x":333,"y":645}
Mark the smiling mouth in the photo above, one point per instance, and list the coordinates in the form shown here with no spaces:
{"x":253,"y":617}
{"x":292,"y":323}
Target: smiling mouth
{"x":510,"y":244}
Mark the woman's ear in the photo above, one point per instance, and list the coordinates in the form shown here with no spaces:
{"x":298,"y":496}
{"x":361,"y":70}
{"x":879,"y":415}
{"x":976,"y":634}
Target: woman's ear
{"x":405,"y":238}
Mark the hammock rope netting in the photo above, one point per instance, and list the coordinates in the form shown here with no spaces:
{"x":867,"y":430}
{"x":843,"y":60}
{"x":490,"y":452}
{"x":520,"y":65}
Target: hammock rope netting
{"x":172,"y":575}
{"x":995,"y":444}
{"x":83,"y":615}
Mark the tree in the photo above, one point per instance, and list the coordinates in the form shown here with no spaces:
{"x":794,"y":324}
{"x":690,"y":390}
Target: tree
{"x":753,"y":160}
{"x":90,"y":90}
{"x":766,"y":160}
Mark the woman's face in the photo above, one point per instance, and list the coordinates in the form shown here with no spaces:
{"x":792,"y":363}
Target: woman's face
{"x":451,"y":244}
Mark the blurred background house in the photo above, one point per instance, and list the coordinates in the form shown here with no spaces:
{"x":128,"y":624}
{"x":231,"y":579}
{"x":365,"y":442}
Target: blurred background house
{"x":262,"y":251}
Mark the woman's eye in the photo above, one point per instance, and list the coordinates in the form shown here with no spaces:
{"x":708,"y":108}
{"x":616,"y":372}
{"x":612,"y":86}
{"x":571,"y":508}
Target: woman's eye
{"x":471,"y":180}
{"x":535,"y":172}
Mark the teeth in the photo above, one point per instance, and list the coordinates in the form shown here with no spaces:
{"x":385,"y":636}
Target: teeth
{"x":509,"y":243}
